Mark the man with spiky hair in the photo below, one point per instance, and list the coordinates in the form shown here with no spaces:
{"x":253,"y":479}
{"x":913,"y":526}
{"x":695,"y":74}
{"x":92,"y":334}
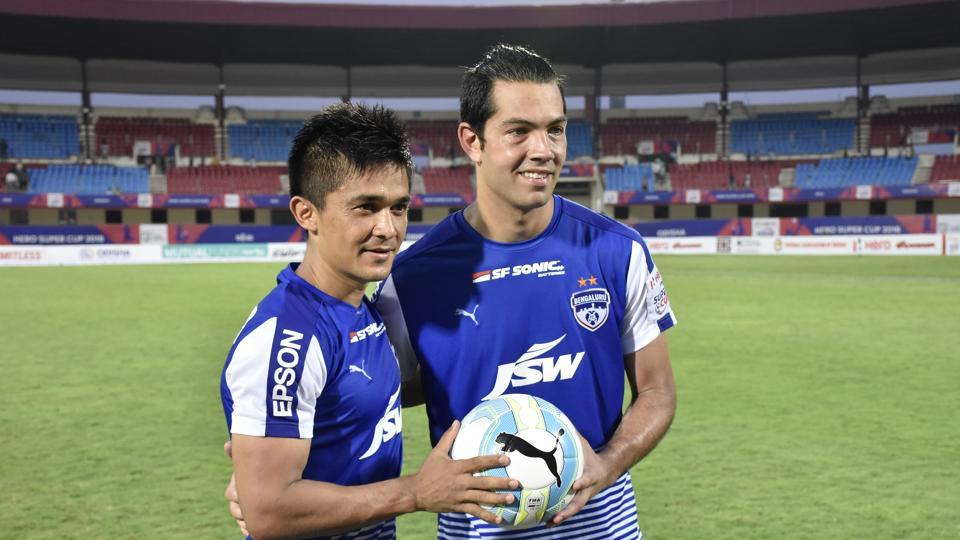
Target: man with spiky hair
{"x":311,"y":385}
{"x":564,"y":302}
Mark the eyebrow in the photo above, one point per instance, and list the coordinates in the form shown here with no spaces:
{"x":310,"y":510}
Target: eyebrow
{"x":370,"y":198}
{"x":525,"y":122}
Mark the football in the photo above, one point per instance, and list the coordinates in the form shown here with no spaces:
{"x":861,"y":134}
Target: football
{"x":544,"y":449}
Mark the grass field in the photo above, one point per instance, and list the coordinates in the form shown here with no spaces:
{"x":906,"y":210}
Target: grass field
{"x":818,"y":398}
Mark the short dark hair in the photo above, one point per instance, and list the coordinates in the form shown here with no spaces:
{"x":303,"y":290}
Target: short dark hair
{"x":345,"y":139}
{"x":509,"y":63}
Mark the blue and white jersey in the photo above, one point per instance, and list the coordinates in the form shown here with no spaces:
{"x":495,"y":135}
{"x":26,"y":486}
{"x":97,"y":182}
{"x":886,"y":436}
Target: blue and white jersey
{"x":309,"y":366}
{"x":552,"y":316}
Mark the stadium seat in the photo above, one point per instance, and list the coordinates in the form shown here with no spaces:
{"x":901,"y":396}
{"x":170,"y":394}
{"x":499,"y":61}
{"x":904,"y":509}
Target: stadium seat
{"x":88,"y":179}
{"x":116,"y":136}
{"x":238,"y":179}
{"x":787,"y":134}
{"x":37,"y":136}
{"x":846,"y":172}
{"x":448,"y":180}
{"x":621,"y":136}
{"x":946,"y":168}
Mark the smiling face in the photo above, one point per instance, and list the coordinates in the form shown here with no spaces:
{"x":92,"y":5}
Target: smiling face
{"x":362,"y":224}
{"x":523,"y":145}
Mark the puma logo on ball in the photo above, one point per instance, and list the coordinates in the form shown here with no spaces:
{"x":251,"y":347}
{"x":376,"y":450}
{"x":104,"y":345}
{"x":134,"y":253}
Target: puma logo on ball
{"x":514,"y":443}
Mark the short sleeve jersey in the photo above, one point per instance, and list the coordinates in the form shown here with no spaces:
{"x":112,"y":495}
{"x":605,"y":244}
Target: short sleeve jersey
{"x":307,"y":365}
{"x":551,"y":317}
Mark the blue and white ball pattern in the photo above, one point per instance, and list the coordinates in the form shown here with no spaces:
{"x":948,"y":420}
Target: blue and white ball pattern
{"x":544,"y":449}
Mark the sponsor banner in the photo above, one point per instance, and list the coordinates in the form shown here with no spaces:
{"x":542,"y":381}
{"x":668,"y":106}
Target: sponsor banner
{"x":765,"y":226}
{"x":647,"y":197}
{"x":694,"y":227}
{"x":215,"y":252}
{"x":610,"y":197}
{"x":577,"y":170}
{"x":951,"y":244}
{"x":919,"y":191}
{"x":775,"y":194}
{"x":54,"y":200}
{"x":692,"y":196}
{"x":231,"y":200}
{"x":953,"y":189}
{"x":811,"y":195}
{"x":440,"y":199}
{"x":864,"y":193}
{"x":286,"y":252}
{"x":20,"y":200}
{"x":912,"y":244}
{"x":144,"y":200}
{"x":920,"y":224}
{"x":751,"y":245}
{"x":154,"y":234}
{"x":76,"y":255}
{"x":948,"y":223}
{"x":732,"y":196}
{"x":227,"y":234}
{"x":268,"y":201}
{"x":97,"y":201}
{"x":190,"y":201}
{"x":696,"y":245}
{"x":68,"y":234}
{"x":812,"y":245}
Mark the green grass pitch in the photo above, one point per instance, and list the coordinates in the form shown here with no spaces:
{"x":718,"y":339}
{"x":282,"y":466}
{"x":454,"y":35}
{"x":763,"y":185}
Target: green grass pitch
{"x":818,"y":398}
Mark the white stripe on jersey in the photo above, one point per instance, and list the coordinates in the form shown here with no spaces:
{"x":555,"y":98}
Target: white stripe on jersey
{"x":639,"y":325}
{"x":312,"y":381}
{"x":246,"y":378}
{"x":385,"y":530}
{"x":610,"y":515}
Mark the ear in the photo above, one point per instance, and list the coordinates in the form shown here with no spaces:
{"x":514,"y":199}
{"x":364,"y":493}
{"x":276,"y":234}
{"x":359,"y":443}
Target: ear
{"x":470,"y":142}
{"x":305,"y":213}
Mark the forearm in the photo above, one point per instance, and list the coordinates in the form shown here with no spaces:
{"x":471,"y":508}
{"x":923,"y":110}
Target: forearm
{"x":644,"y":424}
{"x":308,"y":508}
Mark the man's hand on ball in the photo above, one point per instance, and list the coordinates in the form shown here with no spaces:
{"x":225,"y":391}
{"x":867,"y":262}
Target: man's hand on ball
{"x":597,"y":475}
{"x":449,"y":485}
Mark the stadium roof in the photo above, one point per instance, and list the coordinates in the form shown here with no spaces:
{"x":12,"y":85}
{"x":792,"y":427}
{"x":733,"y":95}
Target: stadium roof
{"x":276,"y":48}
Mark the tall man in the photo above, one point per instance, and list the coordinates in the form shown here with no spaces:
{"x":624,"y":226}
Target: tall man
{"x":563,"y":301}
{"x":311,"y":386}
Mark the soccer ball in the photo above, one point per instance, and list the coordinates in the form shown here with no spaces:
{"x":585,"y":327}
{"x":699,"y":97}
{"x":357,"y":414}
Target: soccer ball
{"x":544,"y":449}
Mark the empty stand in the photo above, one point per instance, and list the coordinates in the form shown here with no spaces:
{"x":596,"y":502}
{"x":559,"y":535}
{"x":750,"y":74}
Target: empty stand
{"x":787,"y":134}
{"x":630,"y":178}
{"x":36,"y":136}
{"x":448,"y":180}
{"x":845,"y":172}
{"x":438,"y":136}
{"x":225,"y":179}
{"x":728,"y":174}
{"x":620,"y":136}
{"x":946,"y":168}
{"x":115,"y":136}
{"x":579,"y":139}
{"x":263,"y":140}
{"x":88,"y":179}
{"x":894,"y":129}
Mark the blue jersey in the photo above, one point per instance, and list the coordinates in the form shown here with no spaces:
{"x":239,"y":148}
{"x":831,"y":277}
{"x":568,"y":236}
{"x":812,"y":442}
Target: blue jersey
{"x":307,"y":365}
{"x":552,"y":316}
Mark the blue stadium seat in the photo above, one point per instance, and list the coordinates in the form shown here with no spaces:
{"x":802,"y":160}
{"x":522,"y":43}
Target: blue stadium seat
{"x":89,"y":179}
{"x":846,"y":172}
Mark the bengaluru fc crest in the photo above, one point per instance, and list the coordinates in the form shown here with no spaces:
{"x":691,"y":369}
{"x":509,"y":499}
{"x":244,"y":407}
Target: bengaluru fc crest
{"x":590,"y":307}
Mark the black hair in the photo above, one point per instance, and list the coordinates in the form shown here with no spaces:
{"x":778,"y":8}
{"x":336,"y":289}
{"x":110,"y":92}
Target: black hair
{"x":509,"y":63}
{"x":345,"y":139}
